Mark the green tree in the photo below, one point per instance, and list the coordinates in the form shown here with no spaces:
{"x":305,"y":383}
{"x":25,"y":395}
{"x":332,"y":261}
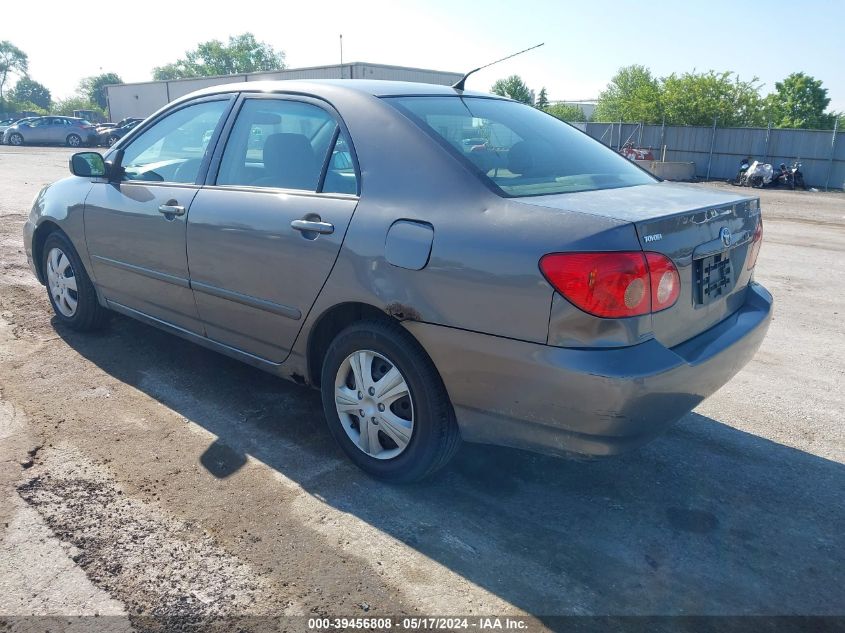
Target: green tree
{"x":515,"y":88}
{"x":566,"y":112}
{"x":94,"y":88}
{"x":542,"y":100}
{"x":633,"y":94}
{"x":243,"y":54}
{"x":29,"y":91}
{"x":13,"y":61}
{"x":29,"y":107}
{"x":800,"y":101}
{"x":65,"y":107}
{"x":695,"y":98}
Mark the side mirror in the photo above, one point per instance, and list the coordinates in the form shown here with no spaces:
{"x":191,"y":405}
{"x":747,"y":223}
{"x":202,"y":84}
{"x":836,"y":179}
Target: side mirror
{"x":88,"y":165}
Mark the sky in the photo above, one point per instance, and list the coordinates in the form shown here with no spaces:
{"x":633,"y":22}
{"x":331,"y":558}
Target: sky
{"x":585,"y":42}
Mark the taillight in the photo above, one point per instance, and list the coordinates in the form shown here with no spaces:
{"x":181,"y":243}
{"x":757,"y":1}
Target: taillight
{"x":615,"y":284}
{"x":756,"y":243}
{"x":665,"y":281}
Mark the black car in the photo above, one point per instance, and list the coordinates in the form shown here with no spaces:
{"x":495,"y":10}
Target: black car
{"x":110,"y":136}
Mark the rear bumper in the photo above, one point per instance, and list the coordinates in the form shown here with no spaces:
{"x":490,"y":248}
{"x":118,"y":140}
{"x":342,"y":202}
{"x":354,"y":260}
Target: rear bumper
{"x":587,"y":401}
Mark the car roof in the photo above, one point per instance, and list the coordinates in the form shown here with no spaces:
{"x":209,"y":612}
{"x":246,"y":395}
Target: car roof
{"x":321,"y":87}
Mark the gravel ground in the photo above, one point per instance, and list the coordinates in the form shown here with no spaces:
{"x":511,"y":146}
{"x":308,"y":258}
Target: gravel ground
{"x":152,"y":482}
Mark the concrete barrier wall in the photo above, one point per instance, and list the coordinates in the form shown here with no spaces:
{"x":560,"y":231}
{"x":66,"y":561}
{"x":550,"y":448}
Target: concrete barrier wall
{"x":669,"y":170}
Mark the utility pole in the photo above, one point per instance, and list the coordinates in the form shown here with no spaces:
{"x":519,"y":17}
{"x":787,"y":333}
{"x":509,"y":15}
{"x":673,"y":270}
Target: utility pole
{"x":712,"y":142}
{"x":832,"y":153}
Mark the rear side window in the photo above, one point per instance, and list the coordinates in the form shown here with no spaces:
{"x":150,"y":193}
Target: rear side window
{"x":285,"y":144}
{"x":519,"y":150}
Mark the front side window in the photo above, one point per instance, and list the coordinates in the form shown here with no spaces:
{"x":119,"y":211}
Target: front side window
{"x":518,"y":149}
{"x":277,"y":143}
{"x":172,"y":150}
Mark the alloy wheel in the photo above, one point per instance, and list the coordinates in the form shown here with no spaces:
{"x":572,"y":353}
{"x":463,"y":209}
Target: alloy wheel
{"x":374,"y":404}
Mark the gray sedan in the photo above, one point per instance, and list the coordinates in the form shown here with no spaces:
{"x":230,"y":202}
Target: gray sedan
{"x":52,"y":130}
{"x":530,"y":288}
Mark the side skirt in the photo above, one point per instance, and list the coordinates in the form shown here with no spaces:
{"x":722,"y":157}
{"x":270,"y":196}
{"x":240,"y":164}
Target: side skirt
{"x":250,"y":359}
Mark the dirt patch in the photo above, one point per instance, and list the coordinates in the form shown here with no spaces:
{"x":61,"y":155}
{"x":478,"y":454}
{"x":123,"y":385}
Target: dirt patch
{"x":162,"y":569}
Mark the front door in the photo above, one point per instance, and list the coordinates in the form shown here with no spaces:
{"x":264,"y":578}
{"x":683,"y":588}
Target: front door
{"x":264,"y":235}
{"x":39,"y":130}
{"x":135,"y":226}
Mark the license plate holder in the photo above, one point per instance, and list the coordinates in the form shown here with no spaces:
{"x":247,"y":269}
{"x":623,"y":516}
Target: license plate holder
{"x":714,"y":278}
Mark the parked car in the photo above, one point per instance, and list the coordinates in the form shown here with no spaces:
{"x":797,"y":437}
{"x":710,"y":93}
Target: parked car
{"x":109,"y":125}
{"x":110,"y":136}
{"x":7,"y":123}
{"x":51,"y":130}
{"x":563,"y":300}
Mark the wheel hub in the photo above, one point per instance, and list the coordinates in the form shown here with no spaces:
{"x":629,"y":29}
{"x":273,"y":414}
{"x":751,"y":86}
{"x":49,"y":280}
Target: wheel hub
{"x":61,"y":280}
{"x":374,"y":404}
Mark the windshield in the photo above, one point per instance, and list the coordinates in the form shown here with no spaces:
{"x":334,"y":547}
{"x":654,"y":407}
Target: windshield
{"x":518,"y":149}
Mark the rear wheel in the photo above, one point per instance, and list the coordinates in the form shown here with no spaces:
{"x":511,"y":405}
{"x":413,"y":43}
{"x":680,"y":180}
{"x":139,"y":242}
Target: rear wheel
{"x":16,"y":139}
{"x":385,"y":403}
{"x":74,"y":140}
{"x":69,"y":288}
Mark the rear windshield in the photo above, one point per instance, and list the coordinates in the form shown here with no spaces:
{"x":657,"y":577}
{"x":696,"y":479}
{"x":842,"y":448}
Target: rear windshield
{"x":518,"y":149}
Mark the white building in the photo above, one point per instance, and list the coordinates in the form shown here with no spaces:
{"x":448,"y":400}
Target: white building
{"x":142,"y":99}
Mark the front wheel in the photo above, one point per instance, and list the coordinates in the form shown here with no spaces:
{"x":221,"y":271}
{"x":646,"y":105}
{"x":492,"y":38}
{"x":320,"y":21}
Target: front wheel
{"x":385,"y":403}
{"x":69,"y":288}
{"x":74,"y":140}
{"x":112,"y":140}
{"x":16,"y":139}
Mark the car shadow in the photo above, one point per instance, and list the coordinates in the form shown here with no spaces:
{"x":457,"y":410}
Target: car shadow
{"x":707,"y":519}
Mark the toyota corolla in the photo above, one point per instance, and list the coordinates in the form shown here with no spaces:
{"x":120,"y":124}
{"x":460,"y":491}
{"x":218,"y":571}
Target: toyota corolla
{"x":442,"y":264}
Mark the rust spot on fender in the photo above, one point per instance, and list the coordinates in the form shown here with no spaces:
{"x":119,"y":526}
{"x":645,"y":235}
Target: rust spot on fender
{"x":402,"y":312}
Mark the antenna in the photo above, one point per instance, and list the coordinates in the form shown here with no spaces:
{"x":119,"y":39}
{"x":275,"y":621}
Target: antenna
{"x":459,"y":85}
{"x":341,"y":55}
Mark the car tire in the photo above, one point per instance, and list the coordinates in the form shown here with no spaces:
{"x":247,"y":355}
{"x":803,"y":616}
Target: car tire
{"x":433,"y":431}
{"x":69,"y":288}
{"x":16,"y":139}
{"x":74,"y":140}
{"x":112,"y":140}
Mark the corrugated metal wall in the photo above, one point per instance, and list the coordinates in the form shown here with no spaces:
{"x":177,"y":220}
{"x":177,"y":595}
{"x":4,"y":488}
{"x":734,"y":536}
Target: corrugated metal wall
{"x":142,"y":99}
{"x":814,"y":148}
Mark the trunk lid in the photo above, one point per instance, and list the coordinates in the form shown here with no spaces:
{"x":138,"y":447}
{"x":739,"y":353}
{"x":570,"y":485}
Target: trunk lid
{"x":705,"y":232}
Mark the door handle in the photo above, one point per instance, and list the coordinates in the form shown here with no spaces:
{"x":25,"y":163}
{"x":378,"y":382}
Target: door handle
{"x":171,"y":209}
{"x":312,"y":226}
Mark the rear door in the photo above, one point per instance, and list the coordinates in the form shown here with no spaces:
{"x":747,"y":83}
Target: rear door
{"x":265,"y":231}
{"x":135,"y":227}
{"x":58,"y":130}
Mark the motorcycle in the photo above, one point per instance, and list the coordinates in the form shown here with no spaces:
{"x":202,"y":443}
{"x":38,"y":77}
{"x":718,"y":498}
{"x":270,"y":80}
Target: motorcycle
{"x":784,"y":178}
{"x":757,"y":175}
{"x":739,"y":179}
{"x":797,"y":176}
